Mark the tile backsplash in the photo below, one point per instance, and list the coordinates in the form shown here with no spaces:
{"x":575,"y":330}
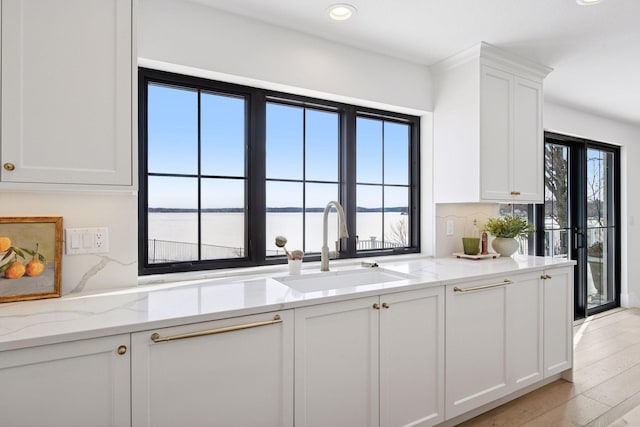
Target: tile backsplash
{"x":468,"y":219}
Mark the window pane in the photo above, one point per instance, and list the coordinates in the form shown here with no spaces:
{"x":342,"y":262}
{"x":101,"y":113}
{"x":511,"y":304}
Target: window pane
{"x":222,"y":135}
{"x":223,"y":219}
{"x":317,"y":197}
{"x":556,"y":185}
{"x":597,"y":183}
{"x":284,"y":216}
{"x":172,"y":219}
{"x":321,"y":145}
{"x":284,"y":141}
{"x":172,"y":129}
{"x":368,"y":151}
{"x":396,"y":153}
{"x":396,"y":218}
{"x":369,"y":217}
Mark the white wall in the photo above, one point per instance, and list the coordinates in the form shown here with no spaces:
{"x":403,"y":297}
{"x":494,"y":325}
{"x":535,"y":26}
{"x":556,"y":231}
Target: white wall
{"x":243,"y":49}
{"x":571,"y":122}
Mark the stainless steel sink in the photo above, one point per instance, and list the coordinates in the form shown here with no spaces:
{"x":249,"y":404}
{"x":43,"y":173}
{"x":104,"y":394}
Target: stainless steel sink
{"x":341,"y":279}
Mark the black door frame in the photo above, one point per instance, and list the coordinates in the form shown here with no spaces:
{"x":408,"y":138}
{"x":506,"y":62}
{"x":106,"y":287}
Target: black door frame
{"x":577,"y":189}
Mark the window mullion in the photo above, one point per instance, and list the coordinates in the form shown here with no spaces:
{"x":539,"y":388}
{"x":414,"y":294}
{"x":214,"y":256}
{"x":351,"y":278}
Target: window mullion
{"x":256,"y":182}
{"x":348,"y":175}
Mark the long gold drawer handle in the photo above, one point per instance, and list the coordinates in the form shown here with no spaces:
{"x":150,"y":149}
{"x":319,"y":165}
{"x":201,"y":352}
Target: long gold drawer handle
{"x":155,"y":337}
{"x":477,"y":288}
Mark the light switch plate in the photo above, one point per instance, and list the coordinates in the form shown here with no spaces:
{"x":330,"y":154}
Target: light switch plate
{"x":86,"y":240}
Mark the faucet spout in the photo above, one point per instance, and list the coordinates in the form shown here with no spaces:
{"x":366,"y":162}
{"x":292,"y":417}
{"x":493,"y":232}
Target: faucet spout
{"x":324,"y":254}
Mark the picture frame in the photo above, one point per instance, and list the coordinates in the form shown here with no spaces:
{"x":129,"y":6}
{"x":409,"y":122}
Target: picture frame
{"x":30,"y":258}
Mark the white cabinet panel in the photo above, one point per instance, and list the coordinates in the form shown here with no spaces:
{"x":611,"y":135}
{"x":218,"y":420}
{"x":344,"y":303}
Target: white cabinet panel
{"x":336,"y":364}
{"x":80,"y":383}
{"x":528,"y":140}
{"x":67,"y":91}
{"x":495,"y":134}
{"x":524,"y":330}
{"x":476,"y":345}
{"x":238,"y":377}
{"x":558,"y":321}
{"x":412,"y":358}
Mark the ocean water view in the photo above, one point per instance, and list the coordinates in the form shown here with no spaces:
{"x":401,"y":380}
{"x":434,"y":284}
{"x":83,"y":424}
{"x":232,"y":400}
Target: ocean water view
{"x":173,"y":236}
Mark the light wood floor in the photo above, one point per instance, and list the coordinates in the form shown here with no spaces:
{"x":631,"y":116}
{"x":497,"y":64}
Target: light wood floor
{"x":606,"y":387}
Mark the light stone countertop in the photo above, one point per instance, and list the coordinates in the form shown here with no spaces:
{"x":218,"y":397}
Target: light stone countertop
{"x":230,"y":293}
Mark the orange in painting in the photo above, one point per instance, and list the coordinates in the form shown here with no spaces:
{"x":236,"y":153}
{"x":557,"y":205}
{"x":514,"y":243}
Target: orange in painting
{"x":5,"y":243}
{"x":34,"y":268}
{"x":15,"y":270}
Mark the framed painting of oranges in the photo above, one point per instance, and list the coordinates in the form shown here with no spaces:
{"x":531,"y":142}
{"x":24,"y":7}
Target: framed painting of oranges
{"x":30,"y":258}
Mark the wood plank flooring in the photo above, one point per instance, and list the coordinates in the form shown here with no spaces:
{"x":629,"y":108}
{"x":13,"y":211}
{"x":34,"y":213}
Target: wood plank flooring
{"x":606,"y":387}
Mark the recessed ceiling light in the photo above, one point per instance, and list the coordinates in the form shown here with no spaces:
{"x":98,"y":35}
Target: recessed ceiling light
{"x":587,"y":2}
{"x":341,"y":11}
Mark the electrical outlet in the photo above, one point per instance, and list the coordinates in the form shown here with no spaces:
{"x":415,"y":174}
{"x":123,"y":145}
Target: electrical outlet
{"x":86,"y":240}
{"x":449,"y":227}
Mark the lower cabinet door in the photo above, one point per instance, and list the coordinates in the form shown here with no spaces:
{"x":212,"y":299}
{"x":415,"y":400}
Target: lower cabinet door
{"x":476,"y":345}
{"x":524,"y":330}
{"x":412,"y":358}
{"x":79,"y":383}
{"x":231,"y":372}
{"x":336,"y":364}
{"x":558,"y":320}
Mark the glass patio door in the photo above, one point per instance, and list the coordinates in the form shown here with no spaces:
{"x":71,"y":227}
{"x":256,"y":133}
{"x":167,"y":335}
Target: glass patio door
{"x":580,"y":217}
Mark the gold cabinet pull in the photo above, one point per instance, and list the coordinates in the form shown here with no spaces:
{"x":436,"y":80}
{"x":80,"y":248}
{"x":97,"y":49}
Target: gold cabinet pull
{"x":385,"y":305}
{"x":376,"y":306}
{"x":515,"y":193}
{"x":122,"y":350}
{"x":478,"y":288}
{"x":9,"y":167}
{"x":155,"y":337}
{"x":548,"y":277}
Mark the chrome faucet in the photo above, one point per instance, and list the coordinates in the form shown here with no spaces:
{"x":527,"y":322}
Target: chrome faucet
{"x":324,"y":255}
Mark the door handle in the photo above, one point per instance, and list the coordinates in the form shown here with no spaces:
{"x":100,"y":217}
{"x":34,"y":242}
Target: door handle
{"x":578,"y":239}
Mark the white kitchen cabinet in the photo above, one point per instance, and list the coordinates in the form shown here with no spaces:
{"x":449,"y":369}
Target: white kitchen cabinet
{"x":231,"y":372}
{"x":371,"y":361}
{"x":505,"y":334}
{"x":558,"y":320}
{"x":488,"y":105}
{"x":412,"y":358}
{"x":524,"y":330}
{"x":493,"y":340}
{"x":79,"y":383}
{"x":476,"y":345}
{"x":67,"y":81}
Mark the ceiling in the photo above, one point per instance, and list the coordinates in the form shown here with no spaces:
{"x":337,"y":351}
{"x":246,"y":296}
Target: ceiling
{"x":594,"y":50}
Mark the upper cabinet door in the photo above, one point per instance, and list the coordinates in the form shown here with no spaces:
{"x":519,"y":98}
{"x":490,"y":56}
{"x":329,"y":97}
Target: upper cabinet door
{"x":67,"y":92}
{"x":496,"y":131}
{"x":528,"y":144}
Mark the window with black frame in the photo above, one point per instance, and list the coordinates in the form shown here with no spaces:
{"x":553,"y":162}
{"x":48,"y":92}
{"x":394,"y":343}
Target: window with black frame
{"x":225,"y":168}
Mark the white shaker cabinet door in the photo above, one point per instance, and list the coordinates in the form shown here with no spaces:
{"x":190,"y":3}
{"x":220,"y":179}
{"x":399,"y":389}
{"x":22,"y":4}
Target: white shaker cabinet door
{"x":496,"y":132}
{"x":336,"y":364}
{"x":558,"y":320}
{"x":528,"y":142}
{"x":412,"y":358}
{"x":67,"y":92}
{"x":476,"y":345}
{"x":74,"y":384}
{"x":231,"y":372}
{"x":524,"y":330}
